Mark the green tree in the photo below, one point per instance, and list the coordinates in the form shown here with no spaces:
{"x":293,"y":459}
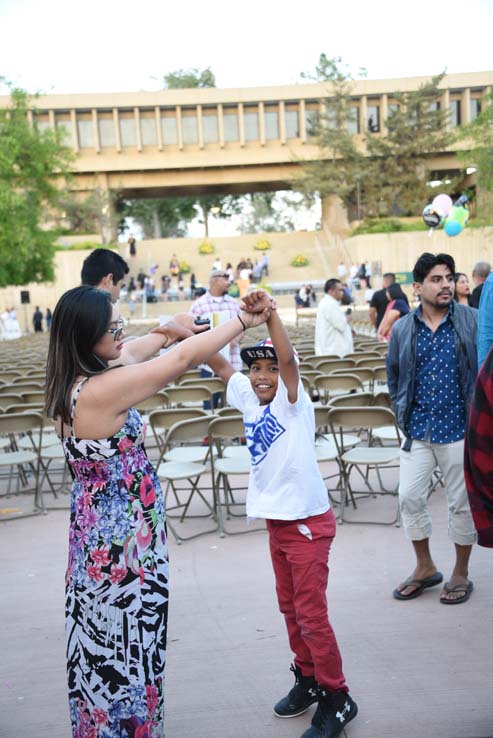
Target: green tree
{"x":398,"y":165}
{"x":341,"y":164}
{"x":80,"y":215}
{"x":29,"y":160}
{"x":259,"y":213}
{"x":216,"y":206}
{"x":186,"y":78}
{"x":479,"y":136}
{"x":165,"y":217}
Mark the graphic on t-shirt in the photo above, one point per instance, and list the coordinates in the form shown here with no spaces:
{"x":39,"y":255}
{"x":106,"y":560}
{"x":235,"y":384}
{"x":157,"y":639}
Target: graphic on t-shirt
{"x":261,"y":435}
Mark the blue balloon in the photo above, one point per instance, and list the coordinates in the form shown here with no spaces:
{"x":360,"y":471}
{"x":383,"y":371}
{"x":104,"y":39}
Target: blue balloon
{"x":452,"y":227}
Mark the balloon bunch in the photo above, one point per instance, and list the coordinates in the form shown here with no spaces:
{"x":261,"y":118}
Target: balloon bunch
{"x":442,"y":211}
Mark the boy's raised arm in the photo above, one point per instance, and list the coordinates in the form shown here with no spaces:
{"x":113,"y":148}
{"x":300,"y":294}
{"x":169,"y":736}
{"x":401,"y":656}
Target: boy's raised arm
{"x":288,"y":365}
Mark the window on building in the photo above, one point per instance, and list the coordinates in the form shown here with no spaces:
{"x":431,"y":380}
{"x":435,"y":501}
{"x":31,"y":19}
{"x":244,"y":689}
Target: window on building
{"x":312,"y":118}
{"x":189,"y":128}
{"x":85,"y":133}
{"x":64,"y":124}
{"x":169,"y":128}
{"x":352,"y":123}
{"x":148,"y":131}
{"x":454,"y":113}
{"x":250,"y":120}
{"x":231,"y":129}
{"x":106,"y":127}
{"x":271,"y":124}
{"x":128,"y":133}
{"x":210,"y":128}
{"x":291,"y":117}
{"x":42,"y":123}
{"x":373,"y":118}
{"x":393,"y":109}
{"x":475,"y":107}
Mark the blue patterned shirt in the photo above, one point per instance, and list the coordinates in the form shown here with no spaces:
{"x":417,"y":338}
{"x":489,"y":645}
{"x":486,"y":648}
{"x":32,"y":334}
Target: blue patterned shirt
{"x":438,"y":413}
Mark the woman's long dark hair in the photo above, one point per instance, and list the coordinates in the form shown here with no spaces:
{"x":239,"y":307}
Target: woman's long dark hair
{"x":395,"y":292}
{"x":80,"y":319}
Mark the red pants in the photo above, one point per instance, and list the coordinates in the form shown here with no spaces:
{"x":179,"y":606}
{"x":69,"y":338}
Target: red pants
{"x":300,"y":560}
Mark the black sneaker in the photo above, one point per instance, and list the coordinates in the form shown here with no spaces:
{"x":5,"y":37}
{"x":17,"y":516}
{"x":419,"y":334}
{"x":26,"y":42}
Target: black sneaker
{"x":335,"y":710}
{"x":299,"y":699}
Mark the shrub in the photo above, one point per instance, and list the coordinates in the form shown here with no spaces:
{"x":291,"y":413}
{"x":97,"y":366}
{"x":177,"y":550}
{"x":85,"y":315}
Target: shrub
{"x":263,"y":245}
{"x":85,"y":246}
{"x":388,"y":225}
{"x":206,"y":248}
{"x":300,"y":260}
{"x":184,"y":267}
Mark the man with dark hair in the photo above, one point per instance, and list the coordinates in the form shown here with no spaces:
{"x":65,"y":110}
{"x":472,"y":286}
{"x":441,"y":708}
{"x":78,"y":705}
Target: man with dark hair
{"x":431,"y":369}
{"x":480,"y":273}
{"x":106,"y":270}
{"x":332,"y":331}
{"x":379,"y":300}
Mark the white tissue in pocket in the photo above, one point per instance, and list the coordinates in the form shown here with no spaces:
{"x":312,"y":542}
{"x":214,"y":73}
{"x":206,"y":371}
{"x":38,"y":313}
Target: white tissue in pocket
{"x":305,"y":530}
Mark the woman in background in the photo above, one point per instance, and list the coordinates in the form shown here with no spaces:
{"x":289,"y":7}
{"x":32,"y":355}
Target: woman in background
{"x":462,"y":289}
{"x":396,"y":308}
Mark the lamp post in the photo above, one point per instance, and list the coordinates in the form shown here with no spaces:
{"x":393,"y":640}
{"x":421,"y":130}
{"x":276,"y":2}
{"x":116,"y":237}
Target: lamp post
{"x":358,"y":197}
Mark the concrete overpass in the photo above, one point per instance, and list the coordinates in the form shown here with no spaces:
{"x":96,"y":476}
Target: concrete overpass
{"x":178,"y":142}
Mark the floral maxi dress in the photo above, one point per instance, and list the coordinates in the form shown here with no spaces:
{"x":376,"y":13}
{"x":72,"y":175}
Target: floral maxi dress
{"x":116,"y":587}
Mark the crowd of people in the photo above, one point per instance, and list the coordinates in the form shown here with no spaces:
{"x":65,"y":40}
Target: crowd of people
{"x":117,"y":585}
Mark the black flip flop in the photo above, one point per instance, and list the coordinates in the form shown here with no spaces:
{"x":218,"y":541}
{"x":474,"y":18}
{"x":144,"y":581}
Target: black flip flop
{"x":420,"y":584}
{"x":467,"y":588}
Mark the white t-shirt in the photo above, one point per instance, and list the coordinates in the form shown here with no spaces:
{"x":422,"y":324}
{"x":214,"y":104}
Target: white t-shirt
{"x":285,"y":481}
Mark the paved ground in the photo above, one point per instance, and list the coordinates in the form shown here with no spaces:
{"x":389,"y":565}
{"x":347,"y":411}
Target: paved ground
{"x":417,"y":669}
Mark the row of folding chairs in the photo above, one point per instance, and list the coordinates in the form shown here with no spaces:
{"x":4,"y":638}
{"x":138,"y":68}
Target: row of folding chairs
{"x":359,"y":433}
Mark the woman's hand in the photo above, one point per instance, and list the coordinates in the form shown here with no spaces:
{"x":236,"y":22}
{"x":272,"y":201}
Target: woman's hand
{"x":180,"y":327}
{"x":185,"y":320}
{"x":257,"y":301}
{"x":172,"y":332}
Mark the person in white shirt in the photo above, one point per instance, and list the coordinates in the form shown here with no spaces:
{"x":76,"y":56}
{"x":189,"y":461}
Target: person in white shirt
{"x":332,"y":331}
{"x":217,"y":264}
{"x":286,"y":488}
{"x":218,"y":307}
{"x":342,"y":270}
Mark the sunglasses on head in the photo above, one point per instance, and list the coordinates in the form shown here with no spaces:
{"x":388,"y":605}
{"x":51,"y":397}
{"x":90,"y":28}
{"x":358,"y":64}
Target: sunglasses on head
{"x":117,"y":332}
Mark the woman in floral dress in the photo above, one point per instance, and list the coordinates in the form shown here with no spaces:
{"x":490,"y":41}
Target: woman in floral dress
{"x":117,"y":575}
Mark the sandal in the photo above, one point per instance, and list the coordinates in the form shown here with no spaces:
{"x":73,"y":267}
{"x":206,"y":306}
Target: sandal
{"x":467,"y":587}
{"x":420,"y":584}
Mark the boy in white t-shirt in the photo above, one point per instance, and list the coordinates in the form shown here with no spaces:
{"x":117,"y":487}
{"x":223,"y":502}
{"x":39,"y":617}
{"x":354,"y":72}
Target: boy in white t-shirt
{"x":286,"y":489}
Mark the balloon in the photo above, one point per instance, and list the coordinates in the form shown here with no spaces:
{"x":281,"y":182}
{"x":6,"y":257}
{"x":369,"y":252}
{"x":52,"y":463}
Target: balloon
{"x":459,"y":214}
{"x":432,"y":217}
{"x":452,"y":227}
{"x":442,"y":203}
{"x":462,"y":200}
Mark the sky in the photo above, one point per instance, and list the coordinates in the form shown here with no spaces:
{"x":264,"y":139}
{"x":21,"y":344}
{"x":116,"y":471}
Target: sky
{"x":63,"y":46}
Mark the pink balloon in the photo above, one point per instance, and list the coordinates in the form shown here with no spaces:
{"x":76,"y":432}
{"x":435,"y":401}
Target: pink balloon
{"x":442,"y":203}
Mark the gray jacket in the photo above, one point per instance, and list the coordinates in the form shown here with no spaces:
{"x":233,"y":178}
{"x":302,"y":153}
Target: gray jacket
{"x":401,"y":359}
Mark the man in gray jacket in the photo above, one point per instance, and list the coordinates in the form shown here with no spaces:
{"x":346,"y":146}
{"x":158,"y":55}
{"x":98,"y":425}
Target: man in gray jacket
{"x":432,"y":368}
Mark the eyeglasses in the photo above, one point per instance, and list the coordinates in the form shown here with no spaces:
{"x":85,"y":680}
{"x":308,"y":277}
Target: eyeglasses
{"x":117,"y":332}
{"x":223,"y":276}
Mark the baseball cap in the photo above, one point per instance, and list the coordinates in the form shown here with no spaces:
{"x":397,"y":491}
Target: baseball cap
{"x":261,"y":350}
